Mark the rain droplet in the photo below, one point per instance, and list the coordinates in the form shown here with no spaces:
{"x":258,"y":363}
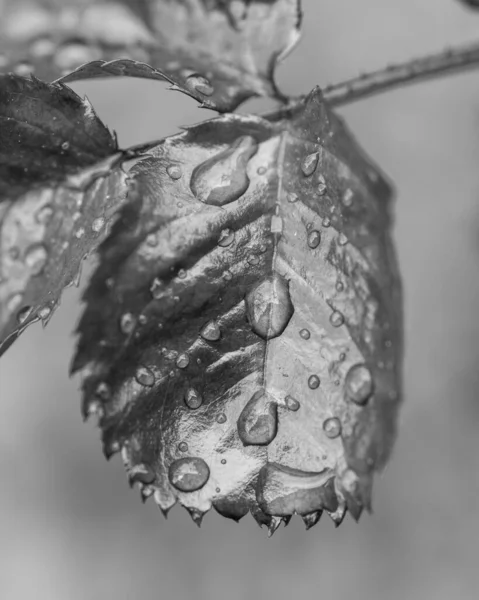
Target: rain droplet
{"x":65,"y":145}
{"x":253,"y":259}
{"x":313,"y":382}
{"x":193,"y":399}
{"x":98,"y":224}
{"x":321,"y":189}
{"x":223,"y":461}
{"x":336,"y":319}
{"x":222,"y":178}
{"x":261,"y":170}
{"x":127,"y":323}
{"x":342,"y":239}
{"x":332,"y":427}
{"x":183,"y":361}
{"x":44,"y":312}
{"x":151,"y":239}
{"x":339,"y":286}
{"x":305,"y":334}
{"x":174,"y":171}
{"x":221,"y":418}
{"x":188,"y":474}
{"x":44,"y":214}
{"x":292,"y":403}
{"x":326,"y":222}
{"x":183,"y":447}
{"x":79,"y":233}
{"x":258,"y":421}
{"x":145,"y":376}
{"x":200,"y":84}
{"x":23,"y":314}
{"x":348,"y":197}
{"x":359,"y":384}
{"x":103,"y":391}
{"x":36,"y":258}
{"x":292,"y":197}
{"x":181,"y":274}
{"x":157,"y":288}
{"x":227,"y":237}
{"x":211,"y":331}
{"x":269,"y":307}
{"x":309,"y":164}
{"x":314,"y":239}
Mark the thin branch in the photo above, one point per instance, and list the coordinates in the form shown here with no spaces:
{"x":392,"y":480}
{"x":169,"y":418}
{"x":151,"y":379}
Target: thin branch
{"x":418,"y":70}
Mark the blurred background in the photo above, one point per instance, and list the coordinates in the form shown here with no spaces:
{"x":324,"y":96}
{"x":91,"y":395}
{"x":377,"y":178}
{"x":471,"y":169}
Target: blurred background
{"x":70,"y":528}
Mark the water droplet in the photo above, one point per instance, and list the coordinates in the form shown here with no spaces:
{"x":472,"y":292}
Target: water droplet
{"x":157,"y":288}
{"x":79,"y":233}
{"x":348,"y":197}
{"x":309,"y":163}
{"x":72,"y":55}
{"x":292,"y":403}
{"x":332,"y":427}
{"x":65,"y":145}
{"x":23,"y":314}
{"x":326,"y":222}
{"x":305,"y":334}
{"x":44,"y":214}
{"x":183,"y":361}
{"x":223,"y":461}
{"x":321,"y":189}
{"x":36,"y":258}
{"x":276,"y":224}
{"x":227,"y":237}
{"x":174,"y":171}
{"x":292,"y":197}
{"x":152,"y":240}
{"x":145,"y":376}
{"x":23,"y":68}
{"x":258,"y":421}
{"x":98,"y":224}
{"x":44,"y":312}
{"x":269,"y":307}
{"x":193,"y":399}
{"x":221,"y":418}
{"x":228,"y":276}
{"x":188,"y":474}
{"x":127,"y":323}
{"x":261,"y":170}
{"x":313,"y":382}
{"x":222,"y":178}
{"x":253,"y":259}
{"x":339,"y":286}
{"x":200,"y":84}
{"x":103,"y":391}
{"x":342,"y":239}
{"x":359,"y":384}
{"x":181,"y":274}
{"x":183,"y":447}
{"x":211,"y":331}
{"x":336,"y":319}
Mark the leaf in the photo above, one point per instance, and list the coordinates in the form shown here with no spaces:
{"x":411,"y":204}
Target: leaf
{"x":220,"y":52}
{"x":60,"y":185}
{"x":242,"y":336}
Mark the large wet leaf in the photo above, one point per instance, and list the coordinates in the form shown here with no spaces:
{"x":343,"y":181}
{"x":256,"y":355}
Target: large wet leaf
{"x":242,"y":337}
{"x":60,"y":184}
{"x":221,"y":52}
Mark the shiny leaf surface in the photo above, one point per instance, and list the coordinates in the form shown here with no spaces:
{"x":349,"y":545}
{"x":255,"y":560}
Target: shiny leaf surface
{"x":242,"y":337}
{"x":60,"y":184}
{"x":221,"y":52}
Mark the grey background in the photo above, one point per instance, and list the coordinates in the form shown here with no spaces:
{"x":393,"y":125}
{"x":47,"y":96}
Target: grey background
{"x":69,"y":526}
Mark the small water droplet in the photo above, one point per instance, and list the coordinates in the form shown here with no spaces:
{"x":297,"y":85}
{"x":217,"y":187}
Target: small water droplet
{"x":44,"y":214}
{"x":326,"y":222}
{"x":292,"y":403}
{"x":174,"y":171}
{"x":193,"y":399}
{"x":222,"y":178}
{"x":336,"y":319}
{"x":223,"y":461}
{"x":348,"y":197}
{"x":127,"y":323}
{"x":183,"y":447}
{"x":261,"y":170}
{"x":359,"y":384}
{"x":157,"y":288}
{"x":98,"y":224}
{"x":103,"y":391}
{"x":342,"y":239}
{"x":199,"y":84}
{"x":152,"y":240}
{"x":227,"y":237}
{"x":44,"y":312}
{"x":181,"y":274}
{"x":183,"y":361}
{"x":188,"y":474}
{"x":253,"y":259}
{"x":36,"y":258}
{"x":145,"y":376}
{"x":309,"y":164}
{"x":313,"y":382}
{"x":292,"y":197}
{"x":211,"y":331}
{"x":305,"y":334}
{"x":65,"y":145}
{"x":332,"y":427}
{"x":339,"y":286}
{"x":221,"y":418}
{"x":23,"y":314}
{"x":228,"y":276}
{"x":79,"y":233}
{"x":218,"y":490}
{"x":258,"y":421}
{"x":142,"y":319}
{"x":269,"y":307}
{"x":321,"y":189}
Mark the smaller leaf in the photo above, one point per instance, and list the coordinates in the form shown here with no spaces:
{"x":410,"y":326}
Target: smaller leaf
{"x":60,"y":185}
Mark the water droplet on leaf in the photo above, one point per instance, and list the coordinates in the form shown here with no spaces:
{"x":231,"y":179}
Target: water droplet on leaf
{"x":269,"y":307}
{"x":188,"y":474}
{"x":332,"y":427}
{"x":227,"y":237}
{"x":198,"y":83}
{"x":258,"y":421}
{"x":174,"y":171}
{"x":309,"y":164}
{"x":321,"y":189}
{"x":313,"y":382}
{"x":221,"y":418}
{"x":127,"y":323}
{"x":305,"y":334}
{"x":359,"y":384}
{"x":193,"y":399}
{"x":211,"y":332}
{"x":98,"y":224}
{"x":145,"y":376}
{"x":103,"y":391}
{"x":292,"y":403}
{"x":314,"y":239}
{"x":36,"y":258}
{"x":183,"y":361}
{"x":336,"y":319}
{"x":348,"y":197}
{"x":183,"y":447}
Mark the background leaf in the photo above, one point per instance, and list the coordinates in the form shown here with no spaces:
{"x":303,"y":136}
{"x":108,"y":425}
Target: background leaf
{"x":242,"y":339}
{"x":60,"y":184}
{"x":218,"y":51}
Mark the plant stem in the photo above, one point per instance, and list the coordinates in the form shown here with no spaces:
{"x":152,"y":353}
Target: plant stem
{"x":415,"y":71}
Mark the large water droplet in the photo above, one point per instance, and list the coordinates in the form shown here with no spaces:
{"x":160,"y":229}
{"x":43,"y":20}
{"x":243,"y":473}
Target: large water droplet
{"x":269,"y":307}
{"x":36,"y":258}
{"x":332,"y":427}
{"x":183,"y":361}
{"x":309,"y":163}
{"x":211,"y":332}
{"x":314,"y":239}
{"x":145,"y":376}
{"x":359,"y":384}
{"x":193,"y":399}
{"x":258,"y":421}
{"x":336,"y":318}
{"x":188,"y":474}
{"x":222,"y":178}
{"x":198,"y":83}
{"x":174,"y":171}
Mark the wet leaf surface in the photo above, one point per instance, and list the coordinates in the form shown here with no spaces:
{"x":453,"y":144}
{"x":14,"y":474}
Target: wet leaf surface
{"x":221,"y":52}
{"x":241,"y":342}
{"x":60,"y":184}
